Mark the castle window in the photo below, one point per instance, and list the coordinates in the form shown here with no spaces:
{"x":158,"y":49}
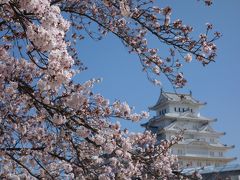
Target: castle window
{"x":180,"y":151}
{"x":179,"y":109}
{"x":189,"y":164}
{"x":211,"y":153}
{"x":212,"y":140}
{"x":181,"y":163}
{"x":191,"y":110}
{"x":220,"y":154}
{"x":175,"y":109}
{"x":195,"y":126}
{"x":199,"y":163}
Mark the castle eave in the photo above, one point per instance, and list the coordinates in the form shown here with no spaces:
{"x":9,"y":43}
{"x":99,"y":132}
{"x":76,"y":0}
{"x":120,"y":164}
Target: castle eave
{"x":192,"y":132}
{"x":145,"y":124}
{"x":210,"y":158}
{"x":193,"y":142}
{"x":190,"y":118}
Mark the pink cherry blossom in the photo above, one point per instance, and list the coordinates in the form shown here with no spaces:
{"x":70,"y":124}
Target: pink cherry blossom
{"x":54,"y":127}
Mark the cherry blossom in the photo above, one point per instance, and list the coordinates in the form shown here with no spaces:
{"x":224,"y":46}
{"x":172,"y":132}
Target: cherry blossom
{"x":53,"y":127}
{"x":188,"y":58}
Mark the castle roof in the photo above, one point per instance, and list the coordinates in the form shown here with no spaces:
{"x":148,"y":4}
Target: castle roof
{"x":206,"y":144}
{"x":181,"y":117}
{"x":173,"y":97}
{"x":205,"y":129}
{"x":230,"y":169}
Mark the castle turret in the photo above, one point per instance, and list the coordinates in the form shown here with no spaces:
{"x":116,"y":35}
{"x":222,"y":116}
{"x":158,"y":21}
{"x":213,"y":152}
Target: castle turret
{"x":200,"y":145}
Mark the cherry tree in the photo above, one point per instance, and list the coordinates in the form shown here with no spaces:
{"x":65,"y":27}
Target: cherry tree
{"x":55,"y":128}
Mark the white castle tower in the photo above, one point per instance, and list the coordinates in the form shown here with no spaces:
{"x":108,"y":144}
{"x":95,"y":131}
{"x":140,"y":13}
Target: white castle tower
{"x":200,"y":145}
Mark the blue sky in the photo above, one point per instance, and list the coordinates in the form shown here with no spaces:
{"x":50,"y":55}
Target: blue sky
{"x":217,"y":84}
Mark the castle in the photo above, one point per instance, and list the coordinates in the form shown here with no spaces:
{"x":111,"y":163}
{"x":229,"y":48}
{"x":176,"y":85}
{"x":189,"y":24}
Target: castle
{"x":200,"y":145}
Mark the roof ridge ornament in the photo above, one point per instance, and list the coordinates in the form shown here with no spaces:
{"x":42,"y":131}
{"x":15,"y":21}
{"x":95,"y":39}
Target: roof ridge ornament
{"x":190,"y":93}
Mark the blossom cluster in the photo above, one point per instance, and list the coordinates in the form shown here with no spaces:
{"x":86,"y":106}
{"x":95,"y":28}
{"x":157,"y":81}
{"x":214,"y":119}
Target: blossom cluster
{"x":132,"y":22}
